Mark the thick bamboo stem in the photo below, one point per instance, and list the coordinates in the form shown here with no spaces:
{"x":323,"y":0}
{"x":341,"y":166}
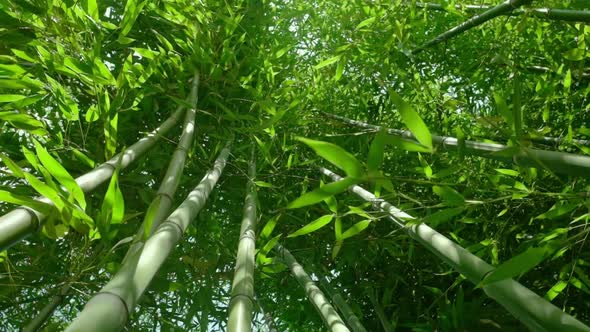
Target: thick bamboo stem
{"x":543,"y":13}
{"x":352,"y":320}
{"x":532,"y":310}
{"x":36,"y":323}
{"x":558,"y":162}
{"x":22,"y":221}
{"x":109,"y":309}
{"x":501,"y":9}
{"x":331,"y":319}
{"x":242,"y":292}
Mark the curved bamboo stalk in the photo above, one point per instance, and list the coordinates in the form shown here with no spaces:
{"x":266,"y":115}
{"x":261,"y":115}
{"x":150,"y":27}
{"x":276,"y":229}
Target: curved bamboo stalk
{"x":331,"y":319}
{"x":558,"y":162}
{"x":109,"y":309}
{"x":242,"y":292}
{"x":543,"y":13}
{"x":22,"y":221}
{"x":532,"y":310}
{"x":501,"y":9}
{"x":36,"y":323}
{"x":352,"y":320}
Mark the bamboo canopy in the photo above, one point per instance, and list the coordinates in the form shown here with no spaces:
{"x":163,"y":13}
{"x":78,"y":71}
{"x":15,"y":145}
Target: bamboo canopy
{"x":242,"y":292}
{"x":532,"y":310}
{"x":558,"y":162}
{"x":501,"y":9}
{"x":113,"y":304}
{"x":331,"y":319}
{"x":543,"y":13}
{"x":23,"y":221}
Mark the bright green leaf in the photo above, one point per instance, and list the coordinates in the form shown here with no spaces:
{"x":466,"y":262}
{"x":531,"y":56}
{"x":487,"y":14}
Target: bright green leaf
{"x":336,"y":155}
{"x":313,"y":226}
{"x":412,"y":120}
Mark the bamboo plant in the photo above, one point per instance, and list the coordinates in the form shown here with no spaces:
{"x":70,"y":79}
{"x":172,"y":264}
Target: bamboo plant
{"x":558,"y":162}
{"x":38,"y":321}
{"x":22,"y":221}
{"x":532,"y":310}
{"x":113,"y":304}
{"x":501,"y":9}
{"x":331,"y":319}
{"x":242,"y":292}
{"x":352,"y":320}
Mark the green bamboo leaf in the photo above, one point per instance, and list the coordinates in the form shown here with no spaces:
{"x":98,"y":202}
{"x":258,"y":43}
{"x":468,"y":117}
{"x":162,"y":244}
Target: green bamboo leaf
{"x":407,"y":145}
{"x":113,"y":207}
{"x":25,"y":122}
{"x":449,"y":195}
{"x":558,"y":210}
{"x":11,"y":98}
{"x":516,"y":265}
{"x":339,"y":70}
{"x":9,"y":197}
{"x":442,"y":216}
{"x":556,"y":290}
{"x":327,"y":62}
{"x":90,"y":8}
{"x":412,"y":120}
{"x":60,"y":174}
{"x":375,"y":157}
{"x":132,"y":10}
{"x":509,"y":172}
{"x":46,"y":191}
{"x":322,"y":193}
{"x":12,"y":166}
{"x":270,"y":244}
{"x":366,"y":22}
{"x":567,"y":81}
{"x":263,"y":184}
{"x":150,"y":215}
{"x":313,"y":226}
{"x":575,"y":54}
{"x":269,"y":227}
{"x":83,"y":158}
{"x":355,"y":229}
{"x":335,"y":155}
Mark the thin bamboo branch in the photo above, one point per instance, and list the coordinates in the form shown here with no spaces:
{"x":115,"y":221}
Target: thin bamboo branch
{"x":352,"y":320}
{"x":36,"y":323}
{"x":22,"y":221}
{"x":242,"y":292}
{"x":385,"y":323}
{"x":532,"y":310}
{"x":558,"y":162}
{"x":331,"y":319}
{"x":110,"y":308}
{"x":501,"y":9}
{"x":543,"y":13}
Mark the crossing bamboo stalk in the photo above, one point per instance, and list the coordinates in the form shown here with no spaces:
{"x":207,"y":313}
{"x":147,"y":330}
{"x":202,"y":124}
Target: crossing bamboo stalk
{"x":501,"y":9}
{"x":352,"y":320}
{"x":23,"y":221}
{"x":109,"y":309}
{"x":532,"y":310}
{"x":38,"y":321}
{"x":242,"y":291}
{"x":556,"y":14}
{"x":331,"y":319}
{"x":558,"y":162}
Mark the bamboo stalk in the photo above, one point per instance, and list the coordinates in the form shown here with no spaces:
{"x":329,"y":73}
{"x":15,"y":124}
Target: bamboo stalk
{"x":501,"y":9}
{"x":385,"y":323}
{"x":532,"y":310}
{"x":242,"y":292}
{"x":558,"y":162}
{"x":110,"y":308}
{"x":543,"y":13}
{"x":352,"y":320}
{"x":22,"y":221}
{"x":331,"y":319}
{"x":38,"y":321}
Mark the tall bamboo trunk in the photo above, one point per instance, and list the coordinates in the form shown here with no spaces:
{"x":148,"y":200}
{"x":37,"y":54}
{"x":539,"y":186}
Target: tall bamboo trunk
{"x":533,"y":311}
{"x":353,"y":321}
{"x":22,"y":221}
{"x":501,"y":9}
{"x":331,"y":319}
{"x":242,"y":292}
{"x":36,"y":323}
{"x":558,"y":162}
{"x":109,"y":309}
{"x":543,"y":13}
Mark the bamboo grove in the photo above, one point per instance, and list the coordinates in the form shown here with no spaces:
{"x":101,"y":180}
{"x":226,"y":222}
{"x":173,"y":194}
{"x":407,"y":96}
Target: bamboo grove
{"x":286,"y":165}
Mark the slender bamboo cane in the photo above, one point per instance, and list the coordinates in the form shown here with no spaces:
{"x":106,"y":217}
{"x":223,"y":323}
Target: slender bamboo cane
{"x":387,"y":327}
{"x":242,"y":292}
{"x":110,"y":308}
{"x":23,"y":221}
{"x":331,"y":319}
{"x":501,"y":9}
{"x":352,"y":320}
{"x":544,"y":13}
{"x":558,"y":162}
{"x":532,"y":310}
{"x":36,"y":323}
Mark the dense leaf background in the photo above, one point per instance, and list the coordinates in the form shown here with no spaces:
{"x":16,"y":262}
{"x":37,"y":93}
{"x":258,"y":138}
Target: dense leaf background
{"x":81,"y":80}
